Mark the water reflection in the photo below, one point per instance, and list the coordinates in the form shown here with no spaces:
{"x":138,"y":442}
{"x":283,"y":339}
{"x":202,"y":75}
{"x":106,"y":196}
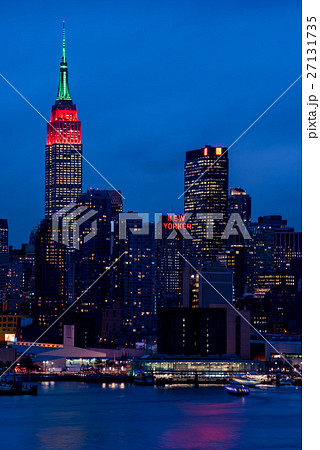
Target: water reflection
{"x":61,"y":437}
{"x":205,"y":426}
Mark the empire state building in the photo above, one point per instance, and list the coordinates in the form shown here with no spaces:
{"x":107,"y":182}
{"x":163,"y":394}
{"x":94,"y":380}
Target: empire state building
{"x":63,"y":154}
{"x":63,"y":185}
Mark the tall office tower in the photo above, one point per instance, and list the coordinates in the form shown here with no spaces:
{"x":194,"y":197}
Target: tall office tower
{"x":240,"y":202}
{"x":91,"y":261}
{"x":63,"y":156}
{"x":136,"y":285}
{"x":206,"y":192}
{"x":169,"y":263}
{"x":63,"y":183}
{"x":4,"y":232}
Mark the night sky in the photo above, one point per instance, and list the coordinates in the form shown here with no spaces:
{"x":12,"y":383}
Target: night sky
{"x":152,"y":80}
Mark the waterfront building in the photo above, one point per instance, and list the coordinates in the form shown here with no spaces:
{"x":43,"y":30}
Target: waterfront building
{"x":288,"y":345}
{"x":184,"y":367}
{"x":214,"y":330}
{"x":207,"y":324}
{"x":206,"y":192}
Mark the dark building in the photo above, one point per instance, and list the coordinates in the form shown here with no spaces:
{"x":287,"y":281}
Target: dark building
{"x":4,"y":267}
{"x":92,"y":259}
{"x":135,"y":281}
{"x":234,"y":259}
{"x":240,"y":202}
{"x":208,"y":323}
{"x":206,"y":192}
{"x":4,"y":257}
{"x":281,"y":295}
{"x":198,"y":291}
{"x":217,"y":330}
{"x":256,"y":308}
{"x":287,"y":247}
{"x":18,"y":293}
{"x":50,"y":277}
{"x":169,"y":264}
{"x":260,"y":249}
{"x":4,"y":232}
{"x":112,"y":323}
{"x":63,"y":156}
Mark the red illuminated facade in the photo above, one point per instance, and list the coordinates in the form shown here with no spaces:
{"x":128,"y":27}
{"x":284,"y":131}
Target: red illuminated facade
{"x":64,"y":126}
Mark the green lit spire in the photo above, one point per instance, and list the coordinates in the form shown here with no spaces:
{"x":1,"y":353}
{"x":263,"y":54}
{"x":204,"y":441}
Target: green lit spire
{"x":63,"y":92}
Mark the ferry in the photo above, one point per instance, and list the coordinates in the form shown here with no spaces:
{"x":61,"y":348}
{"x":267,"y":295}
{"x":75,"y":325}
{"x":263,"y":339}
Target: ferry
{"x":238,"y":389}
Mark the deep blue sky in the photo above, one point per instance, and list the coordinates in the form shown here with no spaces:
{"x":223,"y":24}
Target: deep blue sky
{"x":151,"y":80}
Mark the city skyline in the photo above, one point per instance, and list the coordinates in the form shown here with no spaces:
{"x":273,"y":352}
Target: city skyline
{"x":285,"y":154}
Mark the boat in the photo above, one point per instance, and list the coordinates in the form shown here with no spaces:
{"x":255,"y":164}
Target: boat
{"x":18,"y":389}
{"x":285,"y":382}
{"x":244,"y":381}
{"x":237,"y":389}
{"x":144,"y":379}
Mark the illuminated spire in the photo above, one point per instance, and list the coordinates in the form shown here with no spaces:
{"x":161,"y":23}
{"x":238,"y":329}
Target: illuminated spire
{"x":63,"y":91}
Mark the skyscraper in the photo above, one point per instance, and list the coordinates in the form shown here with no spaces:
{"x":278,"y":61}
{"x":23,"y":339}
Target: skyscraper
{"x":240,"y":202}
{"x":136,"y":278}
{"x":4,"y":231}
{"x":169,"y":265}
{"x":91,"y":261}
{"x":63,"y":185}
{"x":63,"y":160}
{"x":206,"y":192}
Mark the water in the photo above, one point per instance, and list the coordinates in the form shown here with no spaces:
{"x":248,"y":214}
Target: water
{"x":68,"y":415}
